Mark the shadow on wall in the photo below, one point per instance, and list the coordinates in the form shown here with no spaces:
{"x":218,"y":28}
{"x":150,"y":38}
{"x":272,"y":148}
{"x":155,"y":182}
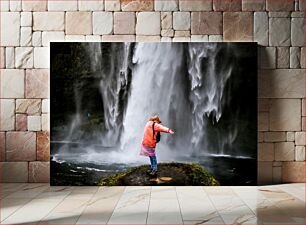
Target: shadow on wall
{"x":280,"y":94}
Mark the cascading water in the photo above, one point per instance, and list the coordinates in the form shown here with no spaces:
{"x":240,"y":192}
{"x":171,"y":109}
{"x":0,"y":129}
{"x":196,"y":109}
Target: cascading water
{"x":113,"y":87}
{"x":205,"y":92}
{"x":158,"y":87}
{"x":184,"y":84}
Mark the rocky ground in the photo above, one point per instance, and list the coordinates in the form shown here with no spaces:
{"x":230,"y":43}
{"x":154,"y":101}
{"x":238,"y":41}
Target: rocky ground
{"x":169,"y":174}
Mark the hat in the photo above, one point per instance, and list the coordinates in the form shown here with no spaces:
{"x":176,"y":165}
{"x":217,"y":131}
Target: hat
{"x":155,"y":119}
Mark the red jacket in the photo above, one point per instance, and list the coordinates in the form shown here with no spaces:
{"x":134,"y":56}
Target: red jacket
{"x":148,"y":139}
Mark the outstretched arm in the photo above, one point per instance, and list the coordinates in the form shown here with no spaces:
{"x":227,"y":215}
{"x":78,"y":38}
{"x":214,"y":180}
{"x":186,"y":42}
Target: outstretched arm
{"x":161,"y":128}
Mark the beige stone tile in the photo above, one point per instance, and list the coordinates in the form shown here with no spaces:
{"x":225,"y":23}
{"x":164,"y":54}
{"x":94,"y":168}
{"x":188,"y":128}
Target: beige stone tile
{"x":293,"y":172}
{"x":170,"y":5}
{"x":75,"y":38}
{"x":34,"y":5}
{"x":300,"y":138}
{"x":274,"y":136}
{"x":25,"y":36}
{"x":14,"y":172}
{"x":238,"y":26}
{"x":102,"y":23}
{"x":159,"y":192}
{"x":273,"y":5}
{"x":9,"y":206}
{"x":52,"y":36}
{"x":28,"y":106}
{"x":118,"y":38}
{"x":283,"y":57}
{"x":24,"y":57}
{"x":296,"y":191}
{"x":195,"y":204}
{"x":267,"y":57}
{"x":10,"y":28}
{"x":48,"y":21}
{"x":181,"y":21}
{"x":226,"y":5}
{"x":206,"y":23}
{"x":142,"y":27}
{"x":300,"y":153}
{"x":37,"y":83}
{"x":264,"y":173}
{"x":281,"y":83}
{"x":261,"y":28}
{"x":43,"y":146}
{"x":45,"y":121}
{"x":41,"y":57}
{"x":91,"y":5}
{"x":143,"y":38}
{"x":12,"y":83}
{"x":39,"y":172}
{"x":5,"y":5}
{"x":29,"y":190}
{"x":41,"y":207}
{"x":124,"y":22}
{"x":181,"y":39}
{"x":78,"y":23}
{"x":37,"y":39}
{"x":112,"y":5}
{"x":166,"y":20}
{"x":279,"y":32}
{"x":2,"y":57}
{"x":164,"y":211}
{"x":137,"y":5}
{"x":34,"y":123}
{"x":132,"y":207}
{"x":7,"y":114}
{"x":265,"y":152}
{"x":253,"y":5}
{"x":203,"y":5}
{"x":62,"y":5}
{"x":285,"y":115}
{"x":284,"y":151}
{"x":26,"y":19}
{"x":263,"y":121}
{"x":15,"y":5}
{"x":100,"y":208}
{"x":2,"y":147}
{"x":21,"y":146}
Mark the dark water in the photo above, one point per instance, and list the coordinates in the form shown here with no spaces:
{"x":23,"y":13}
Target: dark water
{"x":70,"y":170}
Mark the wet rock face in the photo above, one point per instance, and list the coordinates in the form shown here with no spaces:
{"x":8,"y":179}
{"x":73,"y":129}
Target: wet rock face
{"x":176,"y":174}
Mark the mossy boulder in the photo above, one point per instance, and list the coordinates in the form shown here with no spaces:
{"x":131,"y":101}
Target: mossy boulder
{"x":169,"y":174}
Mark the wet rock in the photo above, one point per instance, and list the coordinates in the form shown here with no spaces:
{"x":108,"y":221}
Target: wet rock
{"x":177,"y":174}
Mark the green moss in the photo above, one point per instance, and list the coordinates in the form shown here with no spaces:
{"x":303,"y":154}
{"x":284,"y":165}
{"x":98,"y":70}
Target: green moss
{"x":201,"y":177}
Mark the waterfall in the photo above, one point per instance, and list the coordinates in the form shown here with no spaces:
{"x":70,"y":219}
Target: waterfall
{"x":208,"y":81}
{"x":113,"y":87}
{"x":186,"y":84}
{"x":157,"y":87}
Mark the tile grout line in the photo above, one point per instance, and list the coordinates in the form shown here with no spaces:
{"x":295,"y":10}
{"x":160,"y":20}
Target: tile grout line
{"x":254,"y":212}
{"x":213,"y":205}
{"x":55,"y":207}
{"x":30,"y":199}
{"x":149,"y":205}
{"x":116,"y":205}
{"x":177,"y":198}
{"x":86,"y":205}
{"x":21,"y":207}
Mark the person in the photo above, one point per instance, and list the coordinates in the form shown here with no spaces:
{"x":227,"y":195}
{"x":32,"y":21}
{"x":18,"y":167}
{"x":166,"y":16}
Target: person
{"x":150,"y":139}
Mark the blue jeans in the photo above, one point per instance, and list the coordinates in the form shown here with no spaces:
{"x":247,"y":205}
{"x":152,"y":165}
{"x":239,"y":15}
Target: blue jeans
{"x":153,"y":161}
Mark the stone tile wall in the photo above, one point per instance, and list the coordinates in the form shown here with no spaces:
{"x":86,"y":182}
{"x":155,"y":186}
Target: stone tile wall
{"x":27,"y":27}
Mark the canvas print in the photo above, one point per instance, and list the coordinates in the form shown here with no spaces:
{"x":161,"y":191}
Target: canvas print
{"x":153,"y":114}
